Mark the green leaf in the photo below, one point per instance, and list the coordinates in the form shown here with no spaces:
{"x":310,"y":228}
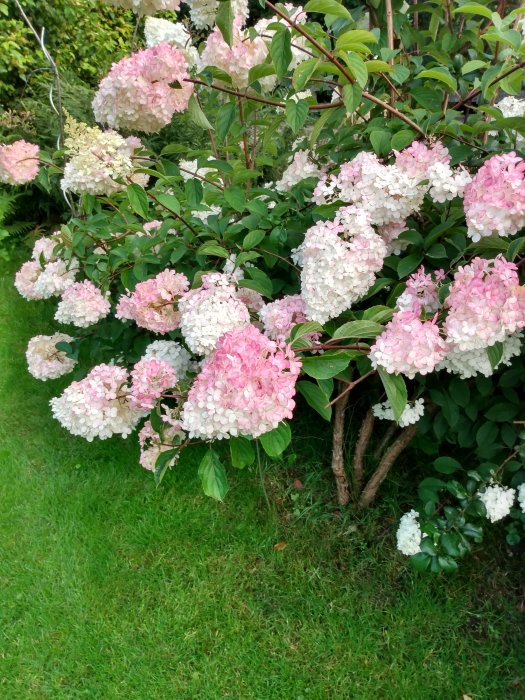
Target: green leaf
{"x":446,"y":465}
{"x":515,"y":247}
{"x":380,"y":140}
{"x":327,"y":7}
{"x":213,"y":476}
{"x":495,"y":353}
{"x":502,"y":412}
{"x":441,"y":74}
{"x":429,"y":488}
{"x":281,"y":52}
{"x":225,"y":119}
{"x":213,"y":249}
{"x":408,"y":264}
{"x":169,"y":202}
{"x":352,"y":95}
{"x":329,"y":364}
{"x":402,"y":139}
{"x":396,"y":391}
{"x":472,"y":65}
{"x":296,"y":113}
{"x":420,"y":561}
{"x":193,"y":191}
{"x":359,"y":329}
{"x":349,"y":39}
{"x":242,"y":452}
{"x":253,"y":238}
{"x":138,"y":200}
{"x":304,"y":72}
{"x":316,"y":398}
{"x":195,"y":112}
{"x":357,"y":68}
{"x":263,"y":286}
{"x":375,"y":66}
{"x":277,"y":440}
{"x":474,"y":8}
{"x":318,"y":127}
{"x":164,"y":461}
{"x":302,"y":329}
{"x":224,"y":20}
{"x":235,"y":198}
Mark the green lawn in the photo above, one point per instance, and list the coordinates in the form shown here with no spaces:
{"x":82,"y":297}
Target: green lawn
{"x":113,"y":589}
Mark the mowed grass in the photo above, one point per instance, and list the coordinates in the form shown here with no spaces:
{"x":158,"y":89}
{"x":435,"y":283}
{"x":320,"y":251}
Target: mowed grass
{"x":113,"y":589}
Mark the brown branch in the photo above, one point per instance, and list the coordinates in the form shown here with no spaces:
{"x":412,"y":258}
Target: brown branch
{"x":338,"y":460}
{"x":389,"y":433}
{"x":350,"y":387}
{"x":263,"y":100}
{"x":244,"y":139}
{"x":329,"y":55}
{"x":200,"y":177}
{"x":476,"y":92}
{"x":365,"y":433}
{"x":388,"y":459}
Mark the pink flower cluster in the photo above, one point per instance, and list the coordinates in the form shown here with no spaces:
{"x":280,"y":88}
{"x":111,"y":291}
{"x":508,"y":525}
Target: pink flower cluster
{"x":485,"y":304}
{"x":82,"y":304}
{"x":98,"y":406}
{"x":421,"y":292}
{"x":143,"y":91}
{"x":282,"y":315}
{"x":408,"y":345}
{"x":149,"y":380}
{"x":18,"y":162}
{"x":495,"y":199}
{"x":236,"y":60}
{"x":418,"y":158}
{"x":152,"y":304}
{"x":246,"y":387}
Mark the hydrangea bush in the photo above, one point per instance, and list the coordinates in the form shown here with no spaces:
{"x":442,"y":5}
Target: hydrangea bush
{"x":352,"y":234}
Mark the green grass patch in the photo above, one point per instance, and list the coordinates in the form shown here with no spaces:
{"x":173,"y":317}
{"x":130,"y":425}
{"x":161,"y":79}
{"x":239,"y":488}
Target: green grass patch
{"x":113,"y":589}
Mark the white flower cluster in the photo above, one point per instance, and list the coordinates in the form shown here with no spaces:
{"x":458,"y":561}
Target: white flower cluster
{"x":210,"y":311}
{"x":83,"y":304}
{"x":301,"y":167}
{"x":44,"y":361}
{"x":45,"y":275}
{"x":469,"y":363}
{"x":446,"y":183}
{"x":387,"y":192}
{"x":339,"y":261}
{"x":410,"y":415}
{"x":100,"y":162}
{"x":146,"y":7}
{"x":409,"y":534}
{"x":98,"y":405}
{"x":160,"y":31}
{"x":203,"y":12}
{"x":202,"y":215}
{"x":521,"y":497}
{"x":171,"y":352}
{"x":513,"y":107}
{"x":498,"y":501}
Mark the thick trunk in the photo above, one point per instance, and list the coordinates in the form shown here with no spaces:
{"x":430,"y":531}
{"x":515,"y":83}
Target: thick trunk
{"x":338,"y":460}
{"x":365,"y":433}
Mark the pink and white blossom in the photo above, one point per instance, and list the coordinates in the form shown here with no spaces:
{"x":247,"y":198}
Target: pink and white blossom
{"x":82,"y":304}
{"x":142,"y":92}
{"x":246,"y":387}
{"x":150,"y":378}
{"x":44,"y":361}
{"x":18,"y":162}
{"x":153,"y":304}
